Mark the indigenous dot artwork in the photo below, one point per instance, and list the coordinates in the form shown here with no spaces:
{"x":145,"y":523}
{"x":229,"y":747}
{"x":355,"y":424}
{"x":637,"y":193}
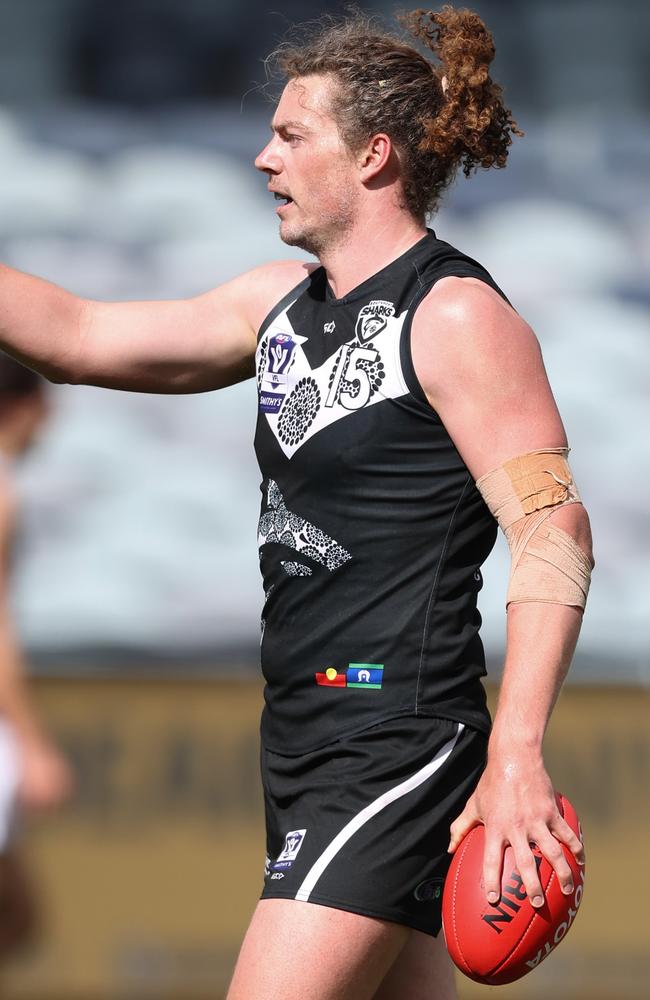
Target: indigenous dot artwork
{"x":295,"y":568}
{"x":299,"y":411}
{"x":281,"y":526}
{"x":261,"y":364}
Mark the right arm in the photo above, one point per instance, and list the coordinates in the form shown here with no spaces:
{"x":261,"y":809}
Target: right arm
{"x":187,"y":345}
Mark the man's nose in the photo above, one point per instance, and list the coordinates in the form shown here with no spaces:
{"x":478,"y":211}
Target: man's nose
{"x":268,"y":160}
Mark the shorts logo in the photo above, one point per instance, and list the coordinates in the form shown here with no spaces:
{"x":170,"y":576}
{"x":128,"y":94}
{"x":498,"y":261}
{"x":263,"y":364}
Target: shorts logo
{"x":357,"y":675}
{"x":273,"y":385}
{"x":372,"y":319}
{"x":292,"y":844}
{"x":429,"y":891}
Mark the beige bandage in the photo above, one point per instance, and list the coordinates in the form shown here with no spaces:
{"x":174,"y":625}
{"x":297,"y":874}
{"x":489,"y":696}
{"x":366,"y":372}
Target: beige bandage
{"x":547,"y":563}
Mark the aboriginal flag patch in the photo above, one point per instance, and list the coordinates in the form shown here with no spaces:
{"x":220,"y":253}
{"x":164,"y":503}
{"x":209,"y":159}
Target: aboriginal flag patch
{"x":331,"y":678}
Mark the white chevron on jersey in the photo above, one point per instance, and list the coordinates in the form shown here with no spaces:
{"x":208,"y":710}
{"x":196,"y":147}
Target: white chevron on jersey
{"x":299,"y":401}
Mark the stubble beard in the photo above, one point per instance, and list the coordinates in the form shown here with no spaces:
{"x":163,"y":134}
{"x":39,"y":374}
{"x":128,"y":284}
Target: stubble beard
{"x":330,"y":230}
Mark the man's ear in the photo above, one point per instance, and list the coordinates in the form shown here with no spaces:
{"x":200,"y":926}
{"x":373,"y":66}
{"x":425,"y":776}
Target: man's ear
{"x":374,"y":157}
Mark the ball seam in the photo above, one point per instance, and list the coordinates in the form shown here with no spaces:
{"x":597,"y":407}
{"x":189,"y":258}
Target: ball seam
{"x":465,"y":847}
{"x":518,"y":943}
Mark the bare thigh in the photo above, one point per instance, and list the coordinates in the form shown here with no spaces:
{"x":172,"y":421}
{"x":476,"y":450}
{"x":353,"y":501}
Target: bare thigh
{"x":295,"y":949}
{"x":422,"y":971}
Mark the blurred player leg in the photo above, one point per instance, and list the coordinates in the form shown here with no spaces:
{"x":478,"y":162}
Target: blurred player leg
{"x":296,"y":949}
{"x":33,"y":775}
{"x":17,"y":907}
{"x":421,"y":971}
{"x":9,"y":781}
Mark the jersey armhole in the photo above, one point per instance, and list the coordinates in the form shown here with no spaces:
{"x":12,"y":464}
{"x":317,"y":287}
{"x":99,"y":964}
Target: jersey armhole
{"x":286,"y":301}
{"x":406,"y":356}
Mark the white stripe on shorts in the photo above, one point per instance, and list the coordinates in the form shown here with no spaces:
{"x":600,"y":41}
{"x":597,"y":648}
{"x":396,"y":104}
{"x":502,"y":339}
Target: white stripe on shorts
{"x":371,"y":810}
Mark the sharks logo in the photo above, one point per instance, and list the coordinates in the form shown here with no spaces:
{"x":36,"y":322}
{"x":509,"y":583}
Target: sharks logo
{"x":372,"y":319}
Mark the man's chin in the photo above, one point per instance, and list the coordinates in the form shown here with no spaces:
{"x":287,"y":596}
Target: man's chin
{"x":299,"y":238}
{"x":290,"y":235}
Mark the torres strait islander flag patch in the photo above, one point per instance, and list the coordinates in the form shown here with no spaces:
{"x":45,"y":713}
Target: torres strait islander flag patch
{"x":357,"y":675}
{"x":365,"y":675}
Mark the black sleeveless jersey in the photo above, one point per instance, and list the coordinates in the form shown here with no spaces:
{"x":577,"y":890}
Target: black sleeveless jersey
{"x":372,"y":532}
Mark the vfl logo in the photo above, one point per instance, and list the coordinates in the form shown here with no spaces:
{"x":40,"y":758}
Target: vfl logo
{"x":280,"y":349}
{"x":329,"y":327}
{"x":372,"y":319}
{"x":292,"y":844}
{"x":274,"y":379}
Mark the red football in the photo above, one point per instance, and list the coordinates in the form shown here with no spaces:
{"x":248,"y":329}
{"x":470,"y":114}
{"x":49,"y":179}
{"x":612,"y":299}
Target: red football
{"x":498,"y":943}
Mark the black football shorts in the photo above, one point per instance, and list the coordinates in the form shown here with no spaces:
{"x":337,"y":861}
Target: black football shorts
{"x":363,"y":823}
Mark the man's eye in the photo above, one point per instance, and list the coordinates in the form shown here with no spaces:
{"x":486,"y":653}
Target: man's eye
{"x":294,"y":139}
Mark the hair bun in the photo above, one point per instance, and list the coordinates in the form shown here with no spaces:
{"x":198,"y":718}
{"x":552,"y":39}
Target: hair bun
{"x":472,"y":127}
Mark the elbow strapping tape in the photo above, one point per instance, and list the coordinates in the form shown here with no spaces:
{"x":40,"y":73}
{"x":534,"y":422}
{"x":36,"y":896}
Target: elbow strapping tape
{"x":547,"y":563}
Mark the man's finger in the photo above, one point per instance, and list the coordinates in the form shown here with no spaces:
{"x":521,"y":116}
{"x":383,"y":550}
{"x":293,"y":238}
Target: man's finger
{"x":493,"y":866}
{"x":462,"y":825}
{"x":563,"y":832}
{"x":552,"y":851}
{"x":527,"y":868}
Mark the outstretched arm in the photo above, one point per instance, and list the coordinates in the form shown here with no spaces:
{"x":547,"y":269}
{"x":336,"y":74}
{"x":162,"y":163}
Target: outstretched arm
{"x":482,"y":370}
{"x":189,"y":345}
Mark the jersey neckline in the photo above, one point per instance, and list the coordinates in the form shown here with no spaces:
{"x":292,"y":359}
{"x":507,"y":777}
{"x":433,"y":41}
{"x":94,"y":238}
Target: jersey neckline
{"x":365,"y":287}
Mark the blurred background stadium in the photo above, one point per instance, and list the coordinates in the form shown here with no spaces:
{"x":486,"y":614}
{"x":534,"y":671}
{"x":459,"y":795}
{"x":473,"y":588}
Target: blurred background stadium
{"x":127,"y":131}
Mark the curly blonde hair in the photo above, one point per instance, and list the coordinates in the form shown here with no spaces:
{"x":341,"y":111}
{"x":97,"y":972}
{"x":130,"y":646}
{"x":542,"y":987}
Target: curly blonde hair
{"x":440,"y":116}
